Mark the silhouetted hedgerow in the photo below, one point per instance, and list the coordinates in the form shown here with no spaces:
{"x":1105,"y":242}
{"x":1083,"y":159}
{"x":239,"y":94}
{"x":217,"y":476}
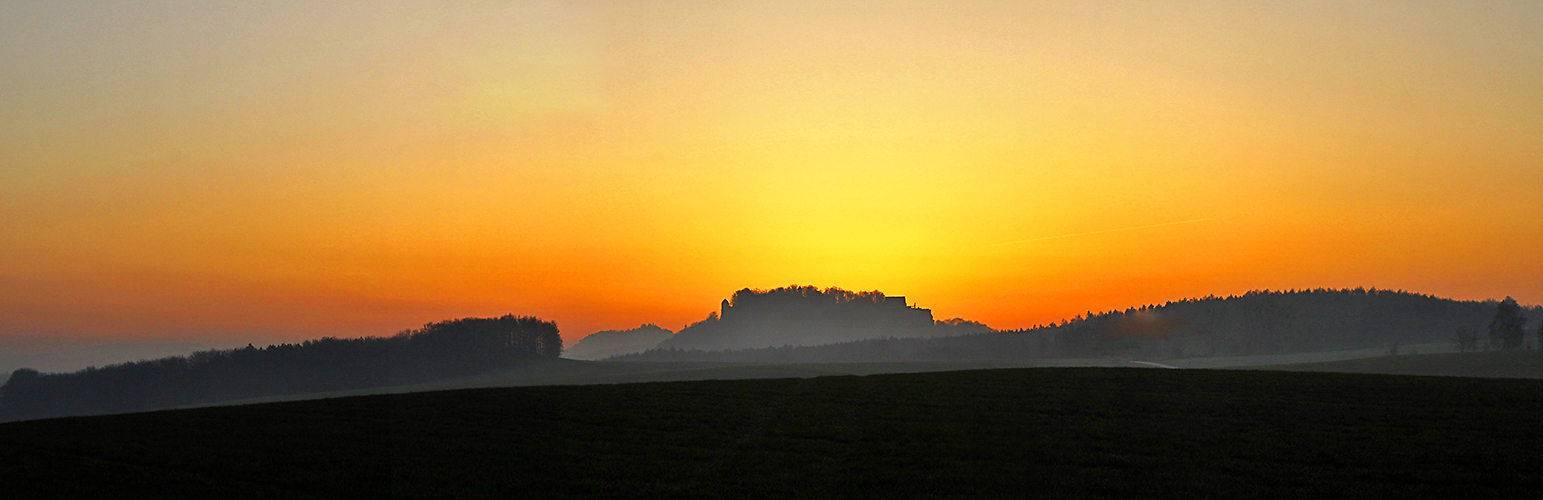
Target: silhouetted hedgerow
{"x":446,"y":349}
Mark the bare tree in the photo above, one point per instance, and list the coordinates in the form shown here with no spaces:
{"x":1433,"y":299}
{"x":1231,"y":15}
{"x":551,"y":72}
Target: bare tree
{"x":1465,"y":340}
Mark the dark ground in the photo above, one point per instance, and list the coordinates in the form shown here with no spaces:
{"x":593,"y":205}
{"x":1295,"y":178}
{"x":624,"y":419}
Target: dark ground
{"x":1043,"y":433}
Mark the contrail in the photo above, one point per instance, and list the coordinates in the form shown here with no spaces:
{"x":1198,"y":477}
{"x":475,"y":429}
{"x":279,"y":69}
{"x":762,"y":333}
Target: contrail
{"x":1101,"y":232}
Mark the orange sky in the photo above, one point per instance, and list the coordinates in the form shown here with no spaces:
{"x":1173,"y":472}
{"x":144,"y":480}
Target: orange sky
{"x":283,"y":171}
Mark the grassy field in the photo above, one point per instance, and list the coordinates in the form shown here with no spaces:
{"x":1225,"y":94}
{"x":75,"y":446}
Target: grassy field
{"x":1304,"y":357}
{"x":576,"y":372}
{"x":1516,"y":364}
{"x":1504,"y":364}
{"x":1046,"y":433}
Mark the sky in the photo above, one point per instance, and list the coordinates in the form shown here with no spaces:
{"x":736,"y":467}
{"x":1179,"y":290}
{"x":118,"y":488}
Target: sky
{"x":226,"y":172}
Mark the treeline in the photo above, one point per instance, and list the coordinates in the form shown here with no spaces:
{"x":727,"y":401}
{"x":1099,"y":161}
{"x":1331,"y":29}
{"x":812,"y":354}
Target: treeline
{"x":1255,"y":323}
{"x":806,"y":315}
{"x":446,"y":349}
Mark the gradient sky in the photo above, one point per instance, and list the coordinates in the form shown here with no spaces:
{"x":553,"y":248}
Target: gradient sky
{"x":226,"y":171}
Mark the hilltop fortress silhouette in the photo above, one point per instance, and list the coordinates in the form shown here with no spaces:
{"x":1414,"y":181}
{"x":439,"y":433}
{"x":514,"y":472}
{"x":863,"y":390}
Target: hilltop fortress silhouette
{"x":807,"y":315}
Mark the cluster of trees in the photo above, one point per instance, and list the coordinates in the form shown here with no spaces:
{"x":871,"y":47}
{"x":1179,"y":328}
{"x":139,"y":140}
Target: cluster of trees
{"x":1266,"y":322}
{"x":806,"y":315}
{"x":1260,"y":322}
{"x":1509,"y":328}
{"x":446,"y":349}
{"x":1465,"y":341}
{"x":1507,"y":331}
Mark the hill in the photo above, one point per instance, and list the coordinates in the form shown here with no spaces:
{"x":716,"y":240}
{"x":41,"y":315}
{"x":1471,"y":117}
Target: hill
{"x":1049,"y":433}
{"x":1502,"y":364}
{"x":1253,"y":324}
{"x":575,"y":372}
{"x":447,"y":349}
{"x":805,"y":315}
{"x":609,"y":343}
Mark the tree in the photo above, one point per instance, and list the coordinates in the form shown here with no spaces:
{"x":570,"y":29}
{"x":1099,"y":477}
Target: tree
{"x":1466,"y":340}
{"x":1507,"y":330}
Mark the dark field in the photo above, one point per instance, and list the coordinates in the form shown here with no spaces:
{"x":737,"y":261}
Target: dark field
{"x":1044,"y":433}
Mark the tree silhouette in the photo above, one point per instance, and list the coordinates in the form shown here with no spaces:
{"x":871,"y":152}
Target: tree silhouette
{"x":1466,"y":340}
{"x":1507,"y":330}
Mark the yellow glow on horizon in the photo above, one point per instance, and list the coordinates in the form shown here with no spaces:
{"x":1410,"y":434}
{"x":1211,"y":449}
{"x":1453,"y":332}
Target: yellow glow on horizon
{"x":287,"y":171}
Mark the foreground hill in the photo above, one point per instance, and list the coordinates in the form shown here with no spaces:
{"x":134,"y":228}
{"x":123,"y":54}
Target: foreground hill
{"x":1502,"y":364}
{"x":1253,"y":324}
{"x":1044,"y":433}
{"x":1493,"y":364}
{"x":609,"y":343}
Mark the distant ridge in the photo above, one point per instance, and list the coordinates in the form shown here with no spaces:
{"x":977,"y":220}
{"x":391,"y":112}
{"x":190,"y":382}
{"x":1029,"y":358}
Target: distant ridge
{"x":609,"y":343}
{"x":1255,"y":323}
{"x":447,"y":349}
{"x":806,"y":315}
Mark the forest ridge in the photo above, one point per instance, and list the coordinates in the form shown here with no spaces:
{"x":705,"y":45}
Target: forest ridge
{"x":1254,"y":323}
{"x":800,"y":324}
